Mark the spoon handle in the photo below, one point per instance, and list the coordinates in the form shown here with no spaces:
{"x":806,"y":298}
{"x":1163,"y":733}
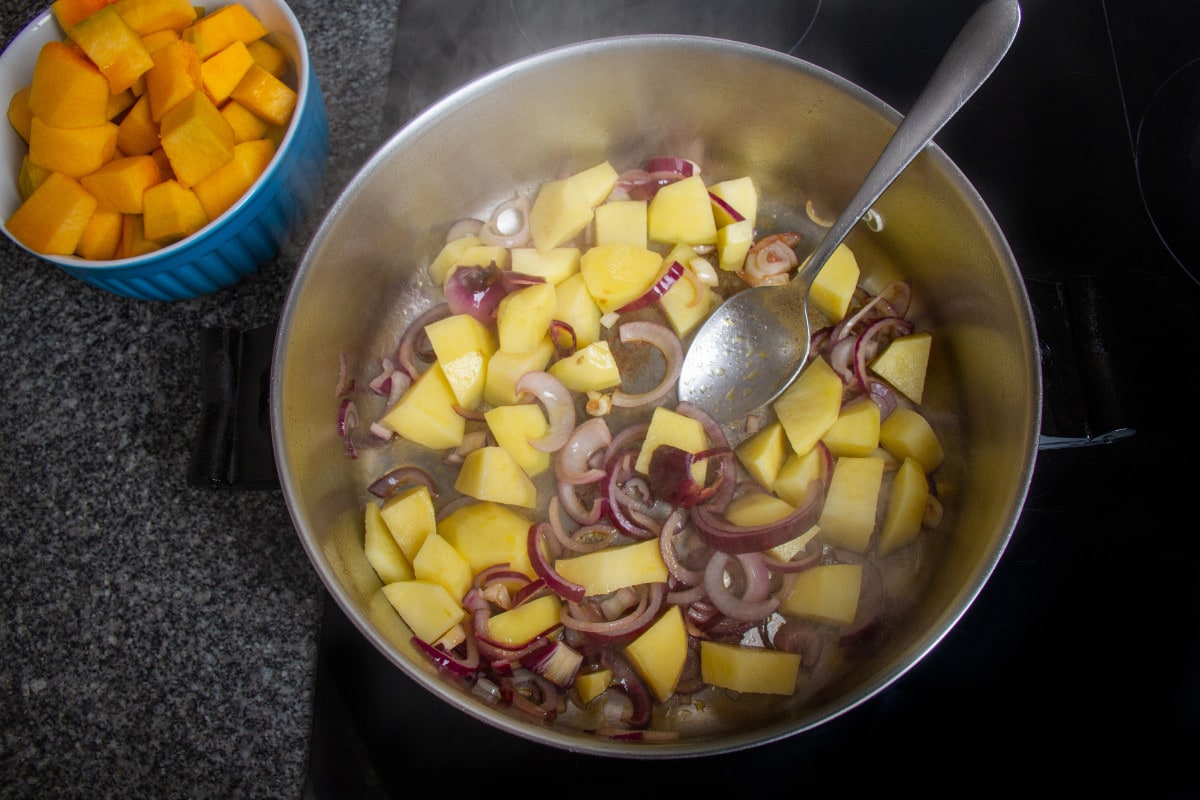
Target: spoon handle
{"x":972,"y":57}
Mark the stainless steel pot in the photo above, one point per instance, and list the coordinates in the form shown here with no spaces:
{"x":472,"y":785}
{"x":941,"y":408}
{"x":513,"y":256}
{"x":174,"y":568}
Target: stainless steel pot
{"x":802,"y":133}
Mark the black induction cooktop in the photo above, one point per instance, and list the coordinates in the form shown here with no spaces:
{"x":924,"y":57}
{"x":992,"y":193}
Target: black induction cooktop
{"x":1078,"y":664}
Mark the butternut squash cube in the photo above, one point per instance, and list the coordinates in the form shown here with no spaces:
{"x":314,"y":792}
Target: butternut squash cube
{"x":196,"y":138}
{"x":100,"y":236}
{"x":120,"y":184}
{"x":848,"y":516}
{"x":225,"y":185}
{"x":425,"y":413}
{"x":513,"y":427}
{"x":487,"y":534}
{"x":268,"y":56}
{"x":222,"y":72}
{"x":827,"y":593}
{"x":247,"y":126}
{"x":67,"y":90}
{"x":659,"y":653}
{"x":589,"y":369}
{"x":855,"y":432}
{"x":174,"y":76}
{"x":71,"y":151}
{"x":133,"y":238}
{"x":426,"y":607}
{"x":504,"y":369}
{"x":491,"y":473}
{"x":612,"y":568}
{"x":152,"y":16}
{"x":171,"y":211}
{"x":682,"y":212}
{"x":137,"y":135}
{"x":410,"y":517}
{"x":265,"y":95}
{"x":29,"y":177}
{"x":70,"y":12}
{"x":215,"y":31}
{"x":748,"y":669}
{"x":522,"y":624}
{"x":19,"y":115}
{"x":112,"y":46}
{"x":383,"y":554}
{"x":153,"y":41}
{"x":53,"y":218}
{"x":905,"y":508}
{"x":810,"y":406}
{"x":118,"y":103}
{"x":621,"y":222}
{"x":834,"y":285}
{"x":555,"y":266}
{"x":438,"y":561}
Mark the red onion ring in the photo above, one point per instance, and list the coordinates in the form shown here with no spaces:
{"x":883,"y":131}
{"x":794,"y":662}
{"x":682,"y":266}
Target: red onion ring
{"x":406,"y":349}
{"x":660,"y":287}
{"x":498,"y":230}
{"x":400,"y":478}
{"x":663,"y":338}
{"x":568,"y":590}
{"x":559,"y":406}
{"x":723,"y":535}
{"x":754,"y":603}
{"x":462,"y":667}
{"x":571,"y":461}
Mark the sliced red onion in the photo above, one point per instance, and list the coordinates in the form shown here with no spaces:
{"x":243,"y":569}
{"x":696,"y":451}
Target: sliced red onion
{"x":670,"y":553}
{"x":345,"y":384}
{"x":663,"y":338}
{"x":622,"y":629}
{"x":723,"y":535}
{"x":562,"y":587}
{"x":347,"y":417}
{"x":559,"y":330}
{"x":721,"y":203}
{"x":558,"y":403}
{"x":683,"y":167}
{"x":401,"y":478}
{"x":572,"y":460}
{"x":467,"y":226}
{"x":630,"y":682}
{"x":462,"y":667}
{"x":672,"y":479}
{"x":476,"y":290}
{"x":754,"y":603}
{"x":557,"y":662}
{"x":868,"y":344}
{"x":508,"y":226}
{"x":407,"y":348}
{"x":660,"y":287}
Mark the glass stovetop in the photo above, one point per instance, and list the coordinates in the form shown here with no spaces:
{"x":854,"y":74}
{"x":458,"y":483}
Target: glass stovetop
{"x":1082,"y":649}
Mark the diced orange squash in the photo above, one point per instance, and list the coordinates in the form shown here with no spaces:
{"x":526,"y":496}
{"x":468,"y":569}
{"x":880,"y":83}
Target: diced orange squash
{"x":174,"y":76}
{"x":112,"y":46}
{"x":196,"y":138}
{"x":268,"y":56}
{"x":120,"y":184}
{"x":133,"y":238}
{"x":118,"y":103}
{"x":71,"y":12}
{"x":137,"y":135}
{"x":217,"y":30}
{"x":100,"y":236}
{"x":152,"y":16}
{"x":30,"y":177}
{"x":172,"y":211}
{"x":223,"y":72}
{"x":73,"y":151}
{"x":246,"y":125}
{"x":266,"y":95}
{"x":164,"y":164}
{"x":226,"y":184}
{"x":67,"y":90}
{"x":52,"y":219}
{"x":153,"y":41}
{"x":19,"y":115}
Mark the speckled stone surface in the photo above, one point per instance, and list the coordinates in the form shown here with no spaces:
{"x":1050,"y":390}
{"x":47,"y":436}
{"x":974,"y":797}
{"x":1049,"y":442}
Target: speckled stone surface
{"x":156,"y":639}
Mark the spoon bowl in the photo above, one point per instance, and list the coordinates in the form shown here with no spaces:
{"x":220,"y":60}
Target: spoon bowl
{"x":754,"y":344}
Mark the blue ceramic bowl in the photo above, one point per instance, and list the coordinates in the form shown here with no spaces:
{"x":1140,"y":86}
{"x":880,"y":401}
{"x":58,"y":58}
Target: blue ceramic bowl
{"x":242,"y":239}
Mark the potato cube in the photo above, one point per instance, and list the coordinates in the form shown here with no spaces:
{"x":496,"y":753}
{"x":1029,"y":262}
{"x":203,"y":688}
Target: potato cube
{"x":439,"y":562}
{"x":520,"y":625}
{"x":741,"y":194}
{"x":802,"y":474}
{"x":733,"y":244}
{"x":523,"y":317}
{"x":757,"y":509}
{"x":576,"y":308}
{"x":487,"y":534}
{"x":848,"y":516}
{"x":907,"y":434}
{"x":810,"y":406}
{"x":504,"y":369}
{"x":764,"y":453}
{"x":513,"y":427}
{"x":905,"y":508}
{"x":53,"y":218}
{"x":589,"y":369}
{"x":827,"y":593}
{"x":834,"y":285}
{"x":682,"y":212}
{"x":448,"y":256}
{"x":425,"y":413}
{"x":621,"y":222}
{"x":491,"y":473}
{"x":555,"y":266}
{"x":748,"y":669}
{"x":383,"y":553}
{"x":589,"y":685}
{"x":688,"y":302}
{"x":616,"y":274}
{"x":410,"y":517}
{"x":426,"y":607}
{"x":563,"y":208}
{"x":659,"y":653}
{"x":604,"y":571}
{"x":856,"y":430}
{"x":463,"y":346}
{"x":903,"y":364}
{"x":671,"y":427}
{"x":66,"y":91}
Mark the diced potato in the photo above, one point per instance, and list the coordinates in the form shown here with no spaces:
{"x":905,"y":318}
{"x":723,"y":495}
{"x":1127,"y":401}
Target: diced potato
{"x":596,"y":183}
{"x":555,"y":266}
{"x":786,"y":551}
{"x":576,"y":308}
{"x":905,"y":508}
{"x":671,"y":427}
{"x":741,"y":194}
{"x":903,"y":364}
{"x":488,"y":534}
{"x":523,"y":317}
{"x":439,"y":562}
{"x":682,"y":212}
{"x":426,"y":607}
{"x":563,"y":208}
{"x":834,"y":285}
{"x":589,"y":685}
{"x":513,"y":427}
{"x":616,"y":274}
{"x":410,"y":517}
{"x":463,"y":345}
{"x":856,"y":430}
{"x":425,"y":413}
{"x":810,"y":406}
{"x":589,"y":369}
{"x":449,"y":256}
{"x":518,"y":626}
{"x":604,"y":571}
{"x":764,"y":453}
{"x":748,"y":669}
{"x":491,"y":473}
{"x":383,"y":553}
{"x":907,"y":434}
{"x":659,"y":653}
{"x":621,"y":222}
{"x":504,"y":369}
{"x":757,"y":509}
{"x":848,"y":516}
{"x":795,"y":481}
{"x":733,"y":243}
{"x":685,"y":305}
{"x":827,"y":592}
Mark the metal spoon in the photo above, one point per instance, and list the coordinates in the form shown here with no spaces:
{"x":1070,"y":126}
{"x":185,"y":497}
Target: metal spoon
{"x":752,"y":347}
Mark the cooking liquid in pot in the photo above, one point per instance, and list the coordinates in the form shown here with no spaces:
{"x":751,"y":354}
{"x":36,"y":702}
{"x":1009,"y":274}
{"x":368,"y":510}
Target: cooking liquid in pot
{"x":890,"y":585}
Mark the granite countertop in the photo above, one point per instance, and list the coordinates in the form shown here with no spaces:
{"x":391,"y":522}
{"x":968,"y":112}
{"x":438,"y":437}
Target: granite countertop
{"x":156,"y":639}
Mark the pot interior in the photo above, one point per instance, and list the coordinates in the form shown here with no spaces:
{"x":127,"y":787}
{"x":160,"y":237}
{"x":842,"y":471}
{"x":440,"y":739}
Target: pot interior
{"x":804,"y":135}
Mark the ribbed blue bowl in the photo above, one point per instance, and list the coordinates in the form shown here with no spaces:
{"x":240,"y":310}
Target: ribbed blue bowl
{"x":235,"y":244}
